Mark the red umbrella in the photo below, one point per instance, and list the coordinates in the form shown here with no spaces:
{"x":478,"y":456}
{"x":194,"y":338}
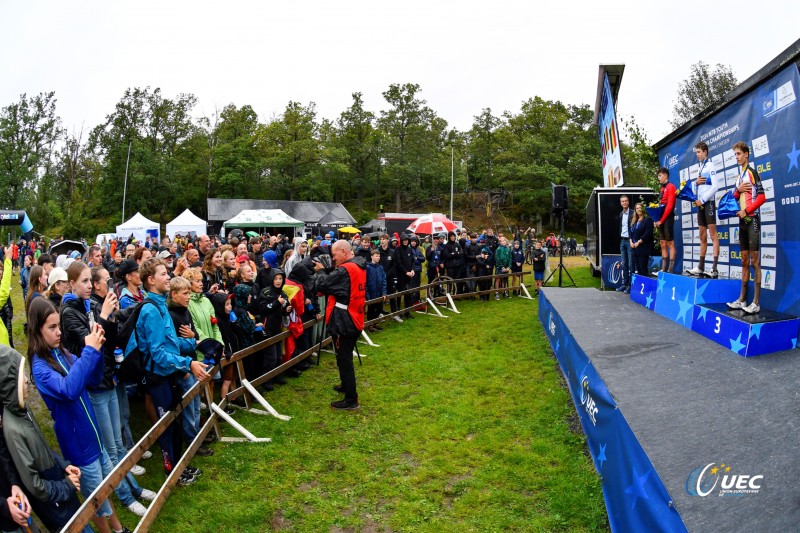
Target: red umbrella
{"x":430,"y":224}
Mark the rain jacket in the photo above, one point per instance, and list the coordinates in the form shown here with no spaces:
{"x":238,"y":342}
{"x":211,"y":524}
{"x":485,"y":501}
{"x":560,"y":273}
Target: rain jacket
{"x":157,"y":337}
{"x":5,"y":292}
{"x":337,"y":284}
{"x":204,"y":318}
{"x":63,"y":390}
{"x":40,"y":470}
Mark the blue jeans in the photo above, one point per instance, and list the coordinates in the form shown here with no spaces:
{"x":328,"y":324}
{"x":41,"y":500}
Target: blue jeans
{"x":626,"y":252}
{"x":124,"y":416}
{"x":106,"y":408}
{"x":91,"y":477}
{"x":191,"y":414}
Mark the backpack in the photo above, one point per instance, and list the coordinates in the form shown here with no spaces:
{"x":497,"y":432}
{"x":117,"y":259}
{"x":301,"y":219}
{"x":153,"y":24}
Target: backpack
{"x":136,"y":364}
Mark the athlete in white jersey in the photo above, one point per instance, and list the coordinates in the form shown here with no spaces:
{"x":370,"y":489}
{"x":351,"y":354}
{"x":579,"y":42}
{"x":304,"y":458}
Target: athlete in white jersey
{"x":707,"y":186}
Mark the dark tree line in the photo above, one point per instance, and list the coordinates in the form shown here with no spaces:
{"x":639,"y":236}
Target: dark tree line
{"x":398,"y":157}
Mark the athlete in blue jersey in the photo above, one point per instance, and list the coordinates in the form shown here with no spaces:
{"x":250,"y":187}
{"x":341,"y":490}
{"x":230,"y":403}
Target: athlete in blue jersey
{"x":707,"y":186}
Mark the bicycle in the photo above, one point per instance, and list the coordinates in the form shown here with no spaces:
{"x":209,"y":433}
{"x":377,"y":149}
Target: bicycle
{"x":438,"y":293}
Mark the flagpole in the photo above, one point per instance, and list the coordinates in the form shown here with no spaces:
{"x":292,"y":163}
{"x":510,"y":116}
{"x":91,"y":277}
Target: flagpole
{"x":125,"y":186}
{"x":452,"y":160}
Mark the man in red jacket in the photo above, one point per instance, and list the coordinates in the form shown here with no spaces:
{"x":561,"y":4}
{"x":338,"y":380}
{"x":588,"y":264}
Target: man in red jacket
{"x":666,"y":223}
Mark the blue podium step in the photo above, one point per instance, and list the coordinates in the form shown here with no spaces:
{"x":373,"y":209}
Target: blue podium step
{"x":747,"y":335}
{"x":677,"y":295}
{"x":643,"y":290}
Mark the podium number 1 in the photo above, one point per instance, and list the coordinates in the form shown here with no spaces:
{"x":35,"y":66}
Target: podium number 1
{"x":673,"y":294}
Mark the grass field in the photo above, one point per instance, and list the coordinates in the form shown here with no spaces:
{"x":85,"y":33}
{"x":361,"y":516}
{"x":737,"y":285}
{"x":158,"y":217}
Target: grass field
{"x":465,"y":425}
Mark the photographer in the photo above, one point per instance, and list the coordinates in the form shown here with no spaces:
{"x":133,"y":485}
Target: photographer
{"x":346,"y":287}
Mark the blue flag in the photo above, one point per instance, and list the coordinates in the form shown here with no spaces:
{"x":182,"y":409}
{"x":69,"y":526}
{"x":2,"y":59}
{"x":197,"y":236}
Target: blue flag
{"x":686,"y":192}
{"x":728,"y":206}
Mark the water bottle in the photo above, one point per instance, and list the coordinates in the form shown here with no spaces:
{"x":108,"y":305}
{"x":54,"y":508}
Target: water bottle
{"x":119,"y":356}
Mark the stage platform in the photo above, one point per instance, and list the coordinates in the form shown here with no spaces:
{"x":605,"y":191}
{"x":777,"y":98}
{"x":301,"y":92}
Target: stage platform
{"x":685,"y":403}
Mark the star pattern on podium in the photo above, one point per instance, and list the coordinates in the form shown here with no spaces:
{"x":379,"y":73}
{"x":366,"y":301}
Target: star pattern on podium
{"x":684,"y":307}
{"x":662,"y":280}
{"x":793,"y":157}
{"x":794,"y":343}
{"x":648,"y":300}
{"x":736,"y":344}
{"x":701,"y":289}
{"x":755,"y":330}
{"x":703,"y":313}
{"x":557,"y":345}
{"x":637,"y":487}
{"x":601,"y":457}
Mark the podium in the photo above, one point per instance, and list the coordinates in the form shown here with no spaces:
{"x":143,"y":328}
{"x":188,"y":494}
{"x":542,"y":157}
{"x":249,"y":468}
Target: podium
{"x":699,"y":304}
{"x":745,"y":334}
{"x":677,"y":295}
{"x":643,"y":290}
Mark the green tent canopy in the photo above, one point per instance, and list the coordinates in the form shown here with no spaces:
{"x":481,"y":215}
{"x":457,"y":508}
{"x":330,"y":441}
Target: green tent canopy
{"x":263,"y":218}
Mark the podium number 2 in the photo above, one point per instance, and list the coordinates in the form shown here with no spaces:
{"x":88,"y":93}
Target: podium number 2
{"x":642,"y":291}
{"x":717,"y":325}
{"x":673,"y":293}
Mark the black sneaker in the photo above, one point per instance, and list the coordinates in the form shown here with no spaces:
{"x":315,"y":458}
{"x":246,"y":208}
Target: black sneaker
{"x":186,"y":479}
{"x":211,"y":437}
{"x":345,"y":405}
{"x":203,"y":451}
{"x":338,"y":388}
{"x":267,"y":387}
{"x":124,"y":530}
{"x":192,"y":471}
{"x":293,"y":373}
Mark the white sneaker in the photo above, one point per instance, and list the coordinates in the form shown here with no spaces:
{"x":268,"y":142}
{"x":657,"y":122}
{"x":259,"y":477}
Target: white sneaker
{"x":148,"y":495}
{"x":397,"y":318}
{"x":203,"y":407}
{"x":138,"y":470}
{"x":737,"y":304}
{"x":695,"y":272}
{"x":137,"y":508}
{"x":752,"y":309}
{"x":147,"y":454}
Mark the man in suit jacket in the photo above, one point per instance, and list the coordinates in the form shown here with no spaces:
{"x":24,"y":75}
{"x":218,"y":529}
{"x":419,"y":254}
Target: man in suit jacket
{"x":624,"y":226}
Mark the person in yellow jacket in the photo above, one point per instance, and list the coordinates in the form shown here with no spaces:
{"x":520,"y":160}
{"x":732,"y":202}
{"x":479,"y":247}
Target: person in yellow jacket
{"x":5,"y":292}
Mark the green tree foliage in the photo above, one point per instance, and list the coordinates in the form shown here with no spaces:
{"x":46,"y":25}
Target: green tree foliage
{"x":639,"y":159}
{"x":29,"y":130}
{"x":703,"y":88}
{"x":400,"y":155}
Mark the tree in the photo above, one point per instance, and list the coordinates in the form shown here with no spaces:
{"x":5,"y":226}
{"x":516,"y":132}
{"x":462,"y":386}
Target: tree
{"x":238,"y":162}
{"x":702,"y":89}
{"x":483,"y":149}
{"x":639,"y":160}
{"x":413,"y":141}
{"x":358,"y":139}
{"x":28,"y":131}
{"x":291,"y":150}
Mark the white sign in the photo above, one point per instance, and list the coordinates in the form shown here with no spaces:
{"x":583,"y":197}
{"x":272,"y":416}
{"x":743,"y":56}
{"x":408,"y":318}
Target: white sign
{"x":769,"y":234}
{"x":769,"y":257}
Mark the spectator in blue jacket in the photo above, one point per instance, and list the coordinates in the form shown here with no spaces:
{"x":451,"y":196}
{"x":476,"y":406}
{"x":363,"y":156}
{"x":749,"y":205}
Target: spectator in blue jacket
{"x":157,"y":337}
{"x":376,"y":287}
{"x":61,"y":379}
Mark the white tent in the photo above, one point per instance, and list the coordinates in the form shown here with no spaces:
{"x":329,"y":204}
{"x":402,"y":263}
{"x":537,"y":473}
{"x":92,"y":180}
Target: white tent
{"x":186,"y":223}
{"x":140,"y":227}
{"x":263,"y":218}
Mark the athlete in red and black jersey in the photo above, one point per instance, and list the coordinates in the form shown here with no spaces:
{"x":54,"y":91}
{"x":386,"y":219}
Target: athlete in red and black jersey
{"x":750,"y":193}
{"x":666,"y":224}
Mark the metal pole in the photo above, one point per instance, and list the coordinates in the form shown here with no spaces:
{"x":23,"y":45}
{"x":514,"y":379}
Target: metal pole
{"x":452,"y":160}
{"x":125,"y":185}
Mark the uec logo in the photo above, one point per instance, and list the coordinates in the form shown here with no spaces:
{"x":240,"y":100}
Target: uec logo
{"x":703,"y":480}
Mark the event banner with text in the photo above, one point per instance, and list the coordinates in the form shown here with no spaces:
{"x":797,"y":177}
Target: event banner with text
{"x":768,"y":120}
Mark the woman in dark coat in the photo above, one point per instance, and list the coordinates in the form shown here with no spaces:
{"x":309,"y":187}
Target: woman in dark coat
{"x":641,"y":239}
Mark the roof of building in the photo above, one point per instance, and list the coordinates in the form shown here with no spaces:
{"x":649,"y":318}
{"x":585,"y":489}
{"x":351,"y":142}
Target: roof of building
{"x":221,"y":209}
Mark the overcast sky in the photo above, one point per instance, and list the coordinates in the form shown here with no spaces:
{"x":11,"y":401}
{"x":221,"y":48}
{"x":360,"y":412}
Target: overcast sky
{"x":465,"y":55}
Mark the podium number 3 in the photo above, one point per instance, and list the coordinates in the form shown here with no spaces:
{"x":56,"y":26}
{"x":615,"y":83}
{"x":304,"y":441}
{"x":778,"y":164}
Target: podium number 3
{"x":717,"y":325}
{"x":673,"y":293}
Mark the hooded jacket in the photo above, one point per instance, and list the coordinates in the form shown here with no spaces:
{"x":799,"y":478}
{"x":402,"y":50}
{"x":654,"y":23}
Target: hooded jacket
{"x":337,"y":284}
{"x":517,"y":256}
{"x":77,"y":319}
{"x":453,"y":253}
{"x":204,"y":318}
{"x":244,"y":327}
{"x":502,"y":258}
{"x":63,"y":390}
{"x":229,"y":339}
{"x":157,"y":337}
{"x":303,"y":274}
{"x":403,"y":258}
{"x":40,"y":471}
{"x":5,"y":292}
{"x":182,"y":317}
{"x":376,"y":281}
{"x":270,"y":309}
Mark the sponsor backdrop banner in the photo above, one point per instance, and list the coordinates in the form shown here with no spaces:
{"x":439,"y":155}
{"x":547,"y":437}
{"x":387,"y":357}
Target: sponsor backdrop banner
{"x":768,"y":120}
{"x":609,"y":139}
{"x":635,"y":496}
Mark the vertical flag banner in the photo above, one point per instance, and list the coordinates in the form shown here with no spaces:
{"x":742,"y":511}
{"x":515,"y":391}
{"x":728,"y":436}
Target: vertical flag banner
{"x":609,"y":142}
